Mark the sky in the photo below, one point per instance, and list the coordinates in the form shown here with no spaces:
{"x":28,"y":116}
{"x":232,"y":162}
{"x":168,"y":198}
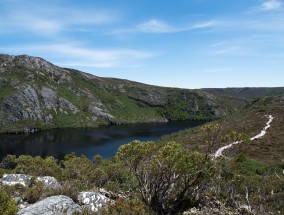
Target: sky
{"x":174,"y":43}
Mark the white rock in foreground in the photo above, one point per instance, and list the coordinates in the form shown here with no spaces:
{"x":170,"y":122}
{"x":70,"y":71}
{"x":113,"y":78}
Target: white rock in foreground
{"x":58,"y":205}
{"x":49,"y":182}
{"x":13,"y":179}
{"x":93,"y":200}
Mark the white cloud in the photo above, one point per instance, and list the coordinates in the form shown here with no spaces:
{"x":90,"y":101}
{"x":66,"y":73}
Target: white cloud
{"x":229,"y":47}
{"x":149,"y":26}
{"x":271,"y":5}
{"x":49,"y":20}
{"x":207,"y":24}
{"x":90,"y":17}
{"x":155,"y":26}
{"x":272,"y":23}
{"x":17,"y":21}
{"x":161,"y":26}
{"x":218,"y":44}
{"x":76,"y":55}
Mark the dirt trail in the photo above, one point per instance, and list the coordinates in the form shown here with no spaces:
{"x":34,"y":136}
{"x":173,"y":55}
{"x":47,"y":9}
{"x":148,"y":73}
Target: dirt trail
{"x":218,"y":153}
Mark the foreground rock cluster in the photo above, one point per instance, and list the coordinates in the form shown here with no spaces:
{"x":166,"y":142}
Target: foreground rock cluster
{"x":52,"y":205}
{"x":58,"y":204}
{"x":90,"y":201}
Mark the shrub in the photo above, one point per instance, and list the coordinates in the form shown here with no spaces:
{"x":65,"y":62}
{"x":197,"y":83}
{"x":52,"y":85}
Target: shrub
{"x":78,"y":169}
{"x":114,"y":176}
{"x":126,"y":207}
{"x":7,"y":204}
{"x":8,"y":162}
{"x":168,"y":176}
{"x":33,"y":193}
{"x":71,"y":189}
{"x":240,"y":158}
{"x":35,"y":166}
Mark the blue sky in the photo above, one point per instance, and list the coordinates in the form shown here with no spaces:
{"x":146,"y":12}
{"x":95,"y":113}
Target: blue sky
{"x":181,"y":43}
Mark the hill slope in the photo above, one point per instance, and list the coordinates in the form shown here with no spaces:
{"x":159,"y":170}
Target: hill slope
{"x":36,"y":94}
{"x":248,"y":93}
{"x":249,"y":121}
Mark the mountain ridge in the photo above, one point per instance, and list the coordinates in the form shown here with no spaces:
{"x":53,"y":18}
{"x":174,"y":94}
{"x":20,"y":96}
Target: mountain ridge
{"x":36,"y":94}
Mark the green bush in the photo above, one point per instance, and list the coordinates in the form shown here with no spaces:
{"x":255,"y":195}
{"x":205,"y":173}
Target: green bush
{"x":78,"y":169}
{"x":7,"y":204}
{"x":33,"y":193}
{"x":71,"y":188}
{"x":126,"y":207}
{"x":114,"y":176}
{"x":37,"y":166}
{"x":9,"y":162}
{"x":167,"y":175}
{"x":240,"y":158}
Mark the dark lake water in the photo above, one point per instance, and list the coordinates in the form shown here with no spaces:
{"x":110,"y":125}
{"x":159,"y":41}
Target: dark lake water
{"x":88,"y":141}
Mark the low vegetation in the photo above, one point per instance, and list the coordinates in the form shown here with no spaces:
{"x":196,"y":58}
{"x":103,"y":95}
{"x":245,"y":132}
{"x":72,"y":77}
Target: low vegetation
{"x":157,"y":178}
{"x":7,"y":204}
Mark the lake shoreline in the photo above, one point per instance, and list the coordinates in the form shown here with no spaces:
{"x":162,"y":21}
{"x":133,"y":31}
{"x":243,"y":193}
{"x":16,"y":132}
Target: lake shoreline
{"x":102,"y":140}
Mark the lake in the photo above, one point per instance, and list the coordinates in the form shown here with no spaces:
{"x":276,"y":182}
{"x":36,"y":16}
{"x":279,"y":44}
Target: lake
{"x":88,"y":141}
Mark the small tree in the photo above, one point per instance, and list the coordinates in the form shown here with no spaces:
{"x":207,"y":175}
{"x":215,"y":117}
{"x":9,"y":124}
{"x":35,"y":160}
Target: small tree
{"x":168,"y":176}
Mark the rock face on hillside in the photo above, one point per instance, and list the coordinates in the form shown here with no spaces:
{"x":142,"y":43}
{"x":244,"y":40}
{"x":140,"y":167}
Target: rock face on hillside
{"x":23,"y":104}
{"x":36,"y":94}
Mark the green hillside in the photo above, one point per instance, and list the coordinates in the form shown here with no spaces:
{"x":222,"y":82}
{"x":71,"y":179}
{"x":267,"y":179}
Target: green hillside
{"x":249,"y":121}
{"x":36,"y":94}
{"x":248,"y":93}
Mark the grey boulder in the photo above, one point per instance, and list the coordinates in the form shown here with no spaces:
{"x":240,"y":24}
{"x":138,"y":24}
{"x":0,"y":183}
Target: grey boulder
{"x":59,"y":205}
{"x":13,"y":179}
{"x":49,"y":182}
{"x":93,"y":200}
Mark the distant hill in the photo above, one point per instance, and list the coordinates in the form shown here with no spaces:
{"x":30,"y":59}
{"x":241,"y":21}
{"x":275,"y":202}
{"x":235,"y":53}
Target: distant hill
{"x":247,"y":92}
{"x":36,"y":94}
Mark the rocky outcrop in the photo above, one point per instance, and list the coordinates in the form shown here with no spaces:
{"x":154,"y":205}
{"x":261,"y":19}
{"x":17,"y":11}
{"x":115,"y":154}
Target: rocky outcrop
{"x":13,"y":179}
{"x":24,"y":104}
{"x":149,"y":98}
{"x":94,"y":201}
{"x":99,"y":112}
{"x":49,"y":182}
{"x":66,"y":105}
{"x":8,"y":62}
{"x":52,"y":205}
{"x":25,"y":180}
{"x":49,"y":98}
